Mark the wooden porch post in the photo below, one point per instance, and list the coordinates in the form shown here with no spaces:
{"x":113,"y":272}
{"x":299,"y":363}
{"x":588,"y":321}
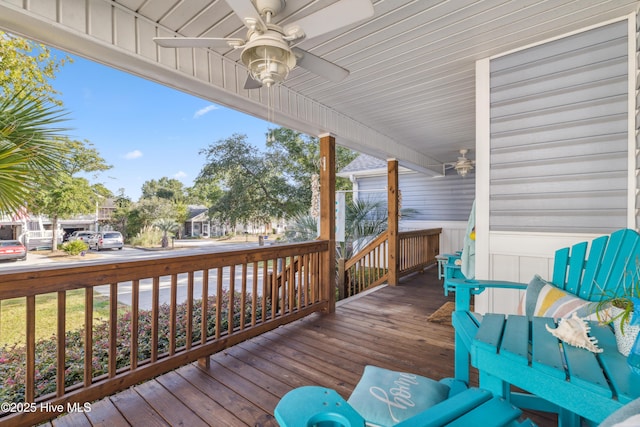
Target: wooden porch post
{"x":393,"y":203}
{"x":327,"y":217}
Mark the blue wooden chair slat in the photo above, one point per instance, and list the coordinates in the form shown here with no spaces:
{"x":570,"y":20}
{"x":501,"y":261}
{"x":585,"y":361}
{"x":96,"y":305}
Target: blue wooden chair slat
{"x":585,"y":371}
{"x":449,"y":410}
{"x":623,"y":382}
{"x":515,"y":345}
{"x":576,"y":267}
{"x":490,"y":331}
{"x":615,"y":262}
{"x":497,"y":412}
{"x":561,"y":267}
{"x":545,"y":357}
{"x":592,"y":266}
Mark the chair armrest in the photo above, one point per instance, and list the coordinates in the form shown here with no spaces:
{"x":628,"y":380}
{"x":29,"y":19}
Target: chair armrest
{"x":482,"y":284}
{"x":465,"y":288}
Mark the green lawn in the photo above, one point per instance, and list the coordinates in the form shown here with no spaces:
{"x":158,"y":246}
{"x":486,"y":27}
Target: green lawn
{"x":13,"y":315}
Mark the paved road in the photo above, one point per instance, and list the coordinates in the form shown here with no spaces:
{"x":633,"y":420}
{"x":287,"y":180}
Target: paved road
{"x":38,"y":261}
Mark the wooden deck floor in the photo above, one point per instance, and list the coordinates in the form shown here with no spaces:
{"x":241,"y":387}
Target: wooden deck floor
{"x":386,"y":327}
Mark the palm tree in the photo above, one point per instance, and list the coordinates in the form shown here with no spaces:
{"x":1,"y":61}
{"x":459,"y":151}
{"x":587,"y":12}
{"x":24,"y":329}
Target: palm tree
{"x":365,"y":219}
{"x":166,"y":226}
{"x":29,"y":148}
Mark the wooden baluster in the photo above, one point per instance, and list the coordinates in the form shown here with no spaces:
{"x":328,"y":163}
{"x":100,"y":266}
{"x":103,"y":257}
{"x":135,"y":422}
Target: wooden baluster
{"x":254,"y":294}
{"x":173,"y":315}
{"x":232,"y":292}
{"x":219,"y":302}
{"x":113,"y":328}
{"x":88,"y":336}
{"x":265,"y":289}
{"x":205,"y":362}
{"x":204,"y":327}
{"x":135,"y":316}
{"x":155,"y":315}
{"x":61,"y":343}
{"x":189,"y":314}
{"x":30,"y":368}
{"x":243,"y":296}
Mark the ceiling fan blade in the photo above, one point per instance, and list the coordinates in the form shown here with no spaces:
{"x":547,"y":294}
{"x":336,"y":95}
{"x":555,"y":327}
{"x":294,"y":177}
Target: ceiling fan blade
{"x":247,"y":11}
{"x":252,"y":83}
{"x":337,"y":15}
{"x":319,"y":66}
{"x":197,"y":42}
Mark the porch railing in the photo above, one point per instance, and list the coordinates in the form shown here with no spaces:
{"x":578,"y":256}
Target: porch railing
{"x":368,"y":268}
{"x":161,"y":314}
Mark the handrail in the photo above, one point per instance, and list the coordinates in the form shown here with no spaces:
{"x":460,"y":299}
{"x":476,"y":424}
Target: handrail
{"x":238,"y":306}
{"x":418,"y":249}
{"x":368,"y":268}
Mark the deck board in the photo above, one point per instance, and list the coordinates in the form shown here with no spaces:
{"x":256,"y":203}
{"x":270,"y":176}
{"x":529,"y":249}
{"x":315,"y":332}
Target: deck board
{"x":243,"y":384}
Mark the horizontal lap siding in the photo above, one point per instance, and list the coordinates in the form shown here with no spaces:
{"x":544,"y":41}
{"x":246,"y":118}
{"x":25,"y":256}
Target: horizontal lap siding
{"x":559,"y":138}
{"x":446,"y":198}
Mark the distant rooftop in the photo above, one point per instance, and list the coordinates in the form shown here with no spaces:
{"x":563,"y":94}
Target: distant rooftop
{"x":363,"y":162}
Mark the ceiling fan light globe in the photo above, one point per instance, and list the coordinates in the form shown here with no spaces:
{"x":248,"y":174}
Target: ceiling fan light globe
{"x":269,"y":60}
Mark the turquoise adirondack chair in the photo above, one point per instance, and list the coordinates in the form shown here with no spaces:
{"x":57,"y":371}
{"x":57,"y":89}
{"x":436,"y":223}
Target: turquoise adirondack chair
{"x":591,"y":271}
{"x":459,"y":406}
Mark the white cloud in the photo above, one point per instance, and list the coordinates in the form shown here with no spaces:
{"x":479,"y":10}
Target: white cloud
{"x":201,"y":112}
{"x":180,"y":175}
{"x":133,"y":154}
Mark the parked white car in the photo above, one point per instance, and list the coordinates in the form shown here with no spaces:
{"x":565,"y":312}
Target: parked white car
{"x":106,"y":240}
{"x":83,"y":235}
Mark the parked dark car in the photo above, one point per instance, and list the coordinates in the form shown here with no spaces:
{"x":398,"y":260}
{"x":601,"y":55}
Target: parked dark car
{"x":106,"y":240}
{"x":12,"y":250}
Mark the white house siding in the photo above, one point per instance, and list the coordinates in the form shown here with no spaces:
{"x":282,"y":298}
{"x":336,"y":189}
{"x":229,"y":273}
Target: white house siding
{"x":443,"y":202}
{"x":556,"y":122}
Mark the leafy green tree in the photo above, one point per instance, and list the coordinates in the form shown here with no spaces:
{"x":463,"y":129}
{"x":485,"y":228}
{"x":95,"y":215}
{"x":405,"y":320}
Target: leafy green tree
{"x":255,"y":189}
{"x":64,"y":194}
{"x":146,"y":211}
{"x":258,"y":186}
{"x":299,"y":156}
{"x":120,"y":216}
{"x":31,"y":148}
{"x":26,"y":69}
{"x":204,"y":192}
{"x":164,"y":188}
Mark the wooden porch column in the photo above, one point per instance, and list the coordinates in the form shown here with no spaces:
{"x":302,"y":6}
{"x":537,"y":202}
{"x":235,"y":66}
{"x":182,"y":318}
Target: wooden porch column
{"x":393,"y":204}
{"x":328,"y":217}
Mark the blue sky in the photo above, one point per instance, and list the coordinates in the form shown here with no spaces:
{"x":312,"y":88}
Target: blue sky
{"x":143,"y":129}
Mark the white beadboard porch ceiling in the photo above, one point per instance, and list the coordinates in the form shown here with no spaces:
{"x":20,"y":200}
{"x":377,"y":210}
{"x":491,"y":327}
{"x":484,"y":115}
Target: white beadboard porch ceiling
{"x":411,"y":91}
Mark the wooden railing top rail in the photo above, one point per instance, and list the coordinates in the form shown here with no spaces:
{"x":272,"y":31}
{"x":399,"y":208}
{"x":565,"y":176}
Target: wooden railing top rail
{"x":368,"y":248}
{"x":415,"y":233}
{"x":29,"y":283}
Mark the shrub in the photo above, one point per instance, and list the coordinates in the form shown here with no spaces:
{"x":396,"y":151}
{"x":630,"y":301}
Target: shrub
{"x":147,"y":237}
{"x":13,"y":357}
{"x":75,"y":247}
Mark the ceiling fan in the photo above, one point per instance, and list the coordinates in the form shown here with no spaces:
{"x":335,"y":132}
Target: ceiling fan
{"x":267,"y":50}
{"x":463,"y":165}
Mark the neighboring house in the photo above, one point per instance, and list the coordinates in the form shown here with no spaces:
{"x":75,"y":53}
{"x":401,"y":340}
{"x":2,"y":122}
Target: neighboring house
{"x":198,"y":223}
{"x":35,"y":230}
{"x":439,"y":201}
